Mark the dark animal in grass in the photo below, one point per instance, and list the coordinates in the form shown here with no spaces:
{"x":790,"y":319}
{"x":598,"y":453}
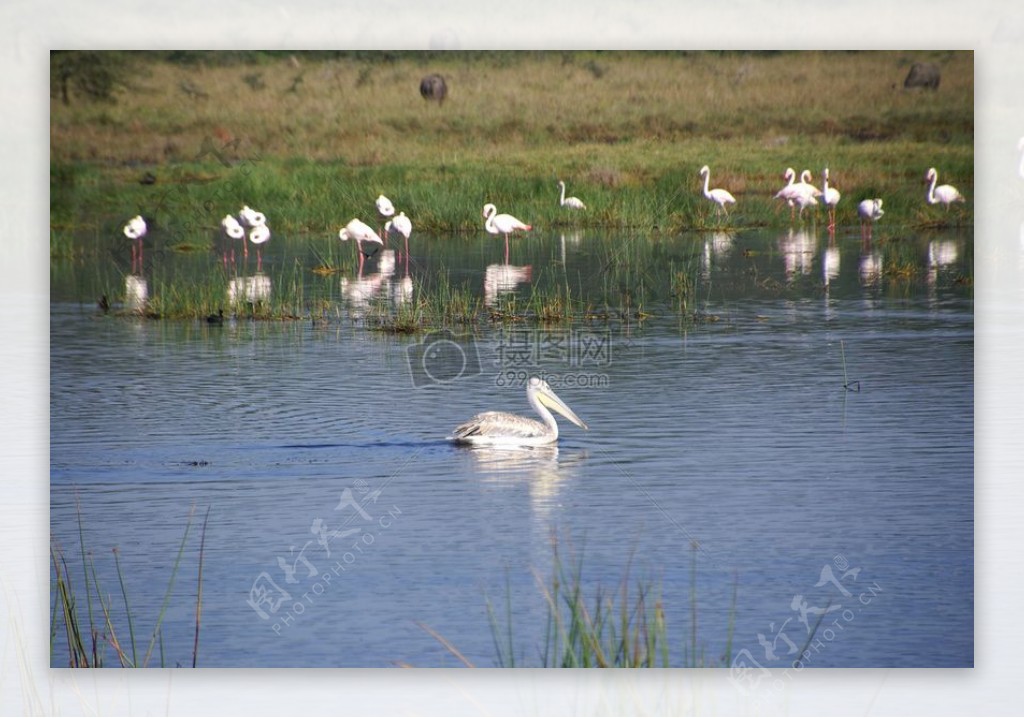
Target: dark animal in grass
{"x":433,"y":87}
{"x":923,"y":74}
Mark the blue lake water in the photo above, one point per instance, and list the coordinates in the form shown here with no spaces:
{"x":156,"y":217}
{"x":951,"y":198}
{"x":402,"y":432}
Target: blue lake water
{"x":341,"y":524}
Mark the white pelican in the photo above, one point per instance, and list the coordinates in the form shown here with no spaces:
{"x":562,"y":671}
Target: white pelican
{"x":870,"y":211}
{"x":502,"y":224}
{"x":360,"y":232}
{"x":135,"y":230}
{"x":831,"y":197}
{"x":570,"y":202}
{"x":258,"y":235}
{"x":400,"y":225}
{"x":499,"y":428}
{"x":946,"y":194}
{"x":719,"y":196}
{"x":249,"y":218}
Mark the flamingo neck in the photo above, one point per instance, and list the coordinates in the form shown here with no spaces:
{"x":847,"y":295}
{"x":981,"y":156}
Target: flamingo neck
{"x":707,"y":179}
{"x":562,"y":200}
{"x":931,"y":188}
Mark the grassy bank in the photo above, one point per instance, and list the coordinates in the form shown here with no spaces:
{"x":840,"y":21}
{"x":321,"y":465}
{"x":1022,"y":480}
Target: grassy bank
{"x":312,"y":142}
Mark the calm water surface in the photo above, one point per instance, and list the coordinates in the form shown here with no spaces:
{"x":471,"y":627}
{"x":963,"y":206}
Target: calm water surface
{"x":339,"y":519}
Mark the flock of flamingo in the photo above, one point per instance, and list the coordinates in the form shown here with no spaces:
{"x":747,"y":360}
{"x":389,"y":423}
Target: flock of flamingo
{"x":251,"y":226}
{"x":501,"y":428}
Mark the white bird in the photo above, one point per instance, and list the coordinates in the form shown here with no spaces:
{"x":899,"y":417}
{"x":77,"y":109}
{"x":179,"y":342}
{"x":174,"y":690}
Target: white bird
{"x":831,"y":196}
{"x":136,"y":227}
{"x":798,"y":193}
{"x":258,"y":235}
{"x":719,"y":196}
{"x":249,"y":218}
{"x":385,"y":209}
{"x":946,"y":194}
{"x":233,"y":230}
{"x":805,"y":183}
{"x":870,"y":211}
{"x":502,"y":224}
{"x":499,"y":428}
{"x":400,"y":225}
{"x":360,"y":232}
{"x":135,"y":230}
{"x":570,"y":202}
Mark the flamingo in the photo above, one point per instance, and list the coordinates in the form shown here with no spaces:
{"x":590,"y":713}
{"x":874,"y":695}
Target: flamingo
{"x":360,"y":232}
{"x":805,"y":183}
{"x":232,"y":229}
{"x":719,"y":196}
{"x":258,"y":235}
{"x":870,"y":211}
{"x":384,"y":208}
{"x":249,"y":218}
{"x":502,"y":224}
{"x":786,"y":192}
{"x":946,"y":194}
{"x":570,"y":202}
{"x":831,"y":197}
{"x":798,"y":193}
{"x":400,"y":225}
{"x":135,"y":230}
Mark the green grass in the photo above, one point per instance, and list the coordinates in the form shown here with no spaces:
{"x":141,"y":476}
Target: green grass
{"x":629,"y":139}
{"x":627,"y":131}
{"x":90,"y":630}
{"x":598,"y":628}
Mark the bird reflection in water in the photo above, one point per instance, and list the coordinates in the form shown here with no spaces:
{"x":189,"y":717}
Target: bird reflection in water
{"x":360,"y":291}
{"x":798,"y":248}
{"x":250,"y":289}
{"x":830,"y":262}
{"x":717,"y":246}
{"x":546,"y":470}
{"x":136,"y":293}
{"x":503,"y":279}
{"x":942,"y":254}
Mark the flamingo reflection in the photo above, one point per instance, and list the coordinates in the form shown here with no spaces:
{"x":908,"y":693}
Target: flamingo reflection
{"x":502,"y":279}
{"x":136,"y":293}
{"x":830,"y":263}
{"x":360,"y":291}
{"x":798,"y":248}
{"x":249,"y":289}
